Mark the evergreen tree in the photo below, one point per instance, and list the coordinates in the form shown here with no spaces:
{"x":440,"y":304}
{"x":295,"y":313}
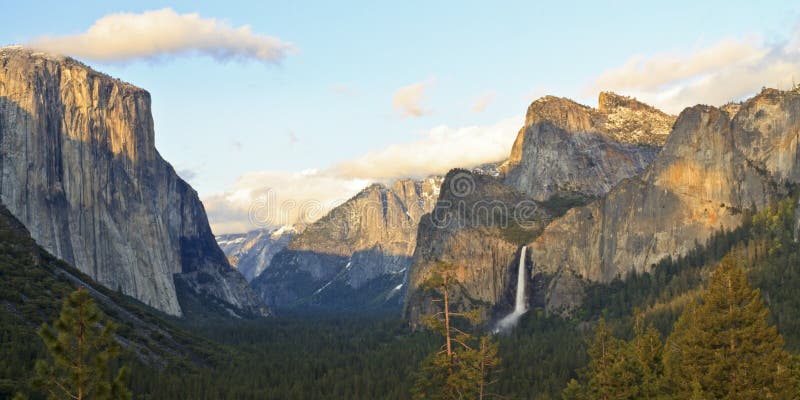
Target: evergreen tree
{"x":612,"y":367}
{"x":574,"y":391}
{"x":724,"y":347}
{"x":81,"y":346}
{"x":485,"y":364}
{"x":648,"y":351}
{"x":618,"y":369}
{"x":795,"y":360}
{"x":461,"y":369}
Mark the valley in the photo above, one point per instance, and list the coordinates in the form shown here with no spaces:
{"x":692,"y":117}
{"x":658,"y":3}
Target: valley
{"x":625,"y":251}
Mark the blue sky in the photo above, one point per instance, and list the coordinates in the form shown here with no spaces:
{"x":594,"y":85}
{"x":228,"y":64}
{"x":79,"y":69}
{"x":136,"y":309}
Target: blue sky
{"x":231,"y":127}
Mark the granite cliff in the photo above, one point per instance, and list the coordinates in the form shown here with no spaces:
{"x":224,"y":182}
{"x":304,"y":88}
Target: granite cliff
{"x":568,"y":150}
{"x":79,"y":168}
{"x":716,"y":163}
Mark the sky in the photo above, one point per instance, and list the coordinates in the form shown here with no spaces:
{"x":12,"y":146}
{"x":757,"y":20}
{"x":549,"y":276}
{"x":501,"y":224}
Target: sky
{"x":277,"y":111}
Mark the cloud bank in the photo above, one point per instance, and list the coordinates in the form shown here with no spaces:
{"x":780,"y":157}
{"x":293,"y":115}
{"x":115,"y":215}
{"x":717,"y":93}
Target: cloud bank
{"x":435,"y":152}
{"x":728,"y":70}
{"x":263,"y":199}
{"x":164,"y":33}
{"x":274,"y":198}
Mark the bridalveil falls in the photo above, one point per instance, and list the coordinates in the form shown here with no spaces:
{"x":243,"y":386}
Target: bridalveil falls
{"x":520,"y":306}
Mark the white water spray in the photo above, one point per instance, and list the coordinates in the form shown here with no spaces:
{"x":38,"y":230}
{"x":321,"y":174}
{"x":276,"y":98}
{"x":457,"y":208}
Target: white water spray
{"x":520,"y":306}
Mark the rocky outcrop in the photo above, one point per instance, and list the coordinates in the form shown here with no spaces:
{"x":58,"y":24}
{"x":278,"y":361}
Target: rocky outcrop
{"x":79,"y":168}
{"x":567,"y":150}
{"x":716,"y":163}
{"x":250,"y":253}
{"x":478,"y":225}
{"x":356,"y":256}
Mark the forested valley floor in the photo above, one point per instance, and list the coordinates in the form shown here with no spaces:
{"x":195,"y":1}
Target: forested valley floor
{"x":302,"y":356}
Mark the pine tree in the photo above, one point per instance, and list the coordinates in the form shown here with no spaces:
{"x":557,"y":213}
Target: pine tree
{"x":81,"y":346}
{"x":795,"y":362}
{"x":574,"y":391}
{"x":618,"y":369}
{"x":648,"y":351}
{"x":486,"y":362}
{"x":612,"y":370}
{"x":724,"y":347}
{"x":463,"y":366}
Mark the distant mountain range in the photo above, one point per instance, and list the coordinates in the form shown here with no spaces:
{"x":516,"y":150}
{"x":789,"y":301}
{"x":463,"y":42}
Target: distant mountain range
{"x":251,"y":252}
{"x":355,"y":257}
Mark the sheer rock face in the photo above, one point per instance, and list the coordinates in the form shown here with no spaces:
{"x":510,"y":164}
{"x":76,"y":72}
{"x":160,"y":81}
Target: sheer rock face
{"x":362,"y":245}
{"x":567,"y":149}
{"x":715,"y":164}
{"x":78,"y":167}
{"x":250,"y":253}
{"x":477,"y":226}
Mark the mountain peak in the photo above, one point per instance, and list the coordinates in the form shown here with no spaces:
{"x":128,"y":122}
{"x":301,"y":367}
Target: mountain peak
{"x":569,"y":149}
{"x":29,"y":55}
{"x":621,"y":118}
{"x":564,"y":112}
{"x":18,"y":50}
{"x":607,"y":102}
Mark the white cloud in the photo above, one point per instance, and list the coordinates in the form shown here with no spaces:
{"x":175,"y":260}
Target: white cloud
{"x":728,"y":70}
{"x":482,"y":102}
{"x":276,"y":198}
{"x":436,"y":152}
{"x":272,"y":198}
{"x":408,"y":99}
{"x":165,"y":33}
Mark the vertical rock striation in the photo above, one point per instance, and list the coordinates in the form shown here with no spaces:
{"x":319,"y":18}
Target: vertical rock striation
{"x":79,"y":167}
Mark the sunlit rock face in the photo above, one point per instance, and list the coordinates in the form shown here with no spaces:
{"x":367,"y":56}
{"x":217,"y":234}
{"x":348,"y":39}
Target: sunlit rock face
{"x":568,"y":150}
{"x":716,"y":163}
{"x":79,"y":167}
{"x":355,"y":257}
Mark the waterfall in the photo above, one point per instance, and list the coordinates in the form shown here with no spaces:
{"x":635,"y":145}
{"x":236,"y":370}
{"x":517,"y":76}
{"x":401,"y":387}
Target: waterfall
{"x":519,"y":303}
{"x":520,"y":306}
